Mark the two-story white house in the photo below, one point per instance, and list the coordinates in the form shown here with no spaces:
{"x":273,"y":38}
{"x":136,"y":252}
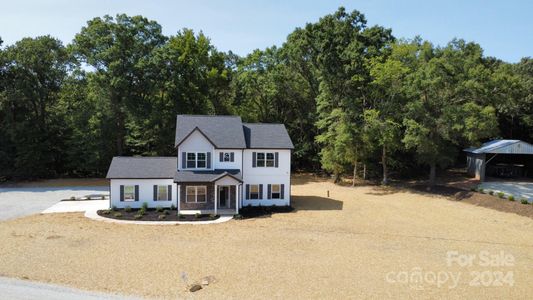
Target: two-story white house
{"x":222,"y":164}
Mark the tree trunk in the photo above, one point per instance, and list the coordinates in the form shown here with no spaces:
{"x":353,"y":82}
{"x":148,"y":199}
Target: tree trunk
{"x":432,"y":173}
{"x":364,"y":171}
{"x":337,"y":177}
{"x":354,"y":173}
{"x":384,"y":163}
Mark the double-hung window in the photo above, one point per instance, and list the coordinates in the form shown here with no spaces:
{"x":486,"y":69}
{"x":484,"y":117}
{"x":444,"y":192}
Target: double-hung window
{"x":260,"y":159}
{"x":129,"y":193}
{"x":276,"y":191}
{"x":196,"y":160}
{"x":265,"y":159}
{"x":162,"y":193}
{"x":196,"y":194}
{"x":254,"y":191}
{"x":269,"y":159}
{"x":191,"y":160}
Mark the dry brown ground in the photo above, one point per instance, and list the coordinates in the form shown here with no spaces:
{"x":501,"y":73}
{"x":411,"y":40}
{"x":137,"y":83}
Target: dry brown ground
{"x":341,"y":247}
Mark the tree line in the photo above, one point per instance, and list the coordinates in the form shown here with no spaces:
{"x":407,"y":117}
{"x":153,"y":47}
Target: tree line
{"x":355,"y":99}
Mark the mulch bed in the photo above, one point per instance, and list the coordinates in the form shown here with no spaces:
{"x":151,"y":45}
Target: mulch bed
{"x":250,"y":212}
{"x":479,"y":199}
{"x":153,"y":215}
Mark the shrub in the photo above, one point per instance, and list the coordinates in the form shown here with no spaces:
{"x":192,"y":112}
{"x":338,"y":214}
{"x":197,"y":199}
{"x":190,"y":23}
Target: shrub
{"x":173,"y":207}
{"x":237,"y":217}
{"x":180,"y":216}
{"x":113,"y":208}
{"x":161,"y":217}
{"x":138,"y":216}
{"x":166,"y":212}
{"x":524,"y":201}
{"x":106,"y":212}
{"x":127,"y":208}
{"x":159,"y":208}
{"x":500,"y":194}
{"x":72,"y":198}
{"x":88,"y":197}
{"x":142,"y":211}
{"x":510,"y":198}
{"x":197,"y":215}
{"x":145,"y":205}
{"x":480,"y":190}
{"x":117,"y":215}
{"x":473,"y":189}
{"x":212,"y":216}
{"x":491,"y":192}
{"x":103,"y":197}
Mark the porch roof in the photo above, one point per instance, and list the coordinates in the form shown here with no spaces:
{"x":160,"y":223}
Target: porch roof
{"x":206,"y":176}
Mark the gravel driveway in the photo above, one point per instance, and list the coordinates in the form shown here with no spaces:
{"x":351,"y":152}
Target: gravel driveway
{"x":18,"y":202}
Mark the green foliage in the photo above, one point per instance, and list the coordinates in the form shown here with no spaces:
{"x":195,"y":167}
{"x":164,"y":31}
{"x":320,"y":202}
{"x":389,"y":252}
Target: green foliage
{"x":510,"y":198}
{"x":349,"y":94}
{"x":144,"y":205}
{"x":173,"y":207}
{"x":127,"y":208}
{"x":491,"y":193}
{"x":524,"y":201}
{"x":138,"y":216}
{"x":159,"y":208}
{"x":117,"y":215}
{"x":501,"y":195}
{"x":161,"y":217}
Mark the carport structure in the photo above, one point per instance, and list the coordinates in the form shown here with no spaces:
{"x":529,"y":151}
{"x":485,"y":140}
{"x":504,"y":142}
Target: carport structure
{"x":500,"y":158}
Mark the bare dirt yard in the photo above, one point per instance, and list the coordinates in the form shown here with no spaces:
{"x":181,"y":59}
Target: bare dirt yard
{"x":362,"y":242}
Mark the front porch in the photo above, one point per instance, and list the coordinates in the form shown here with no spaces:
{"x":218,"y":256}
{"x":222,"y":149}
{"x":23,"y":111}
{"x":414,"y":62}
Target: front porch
{"x":220,"y":195}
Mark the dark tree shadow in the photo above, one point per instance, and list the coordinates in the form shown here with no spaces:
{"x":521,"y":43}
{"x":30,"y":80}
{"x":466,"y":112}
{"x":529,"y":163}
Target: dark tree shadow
{"x":315,"y":203}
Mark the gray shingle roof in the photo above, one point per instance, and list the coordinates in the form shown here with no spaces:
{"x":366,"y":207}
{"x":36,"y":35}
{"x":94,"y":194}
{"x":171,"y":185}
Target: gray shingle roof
{"x":205,"y":176}
{"x":265,"y":135}
{"x":142,"y":167}
{"x":222,"y":131}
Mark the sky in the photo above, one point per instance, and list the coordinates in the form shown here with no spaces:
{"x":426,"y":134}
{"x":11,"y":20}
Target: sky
{"x":503,"y":28}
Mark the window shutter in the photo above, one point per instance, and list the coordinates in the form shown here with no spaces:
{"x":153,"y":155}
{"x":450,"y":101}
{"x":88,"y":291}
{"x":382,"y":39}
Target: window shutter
{"x":169,"y":193}
{"x":282,"y":195}
{"x":221,"y":156}
{"x":254,"y":156}
{"x":269,"y":191}
{"x":136,"y":193}
{"x":121,"y":193}
{"x":260,"y":191}
{"x":183,"y":160}
{"x":276,"y":158}
{"x":247,"y":191}
{"x":232,"y":157}
{"x":155,"y":192}
{"x":208,"y":157}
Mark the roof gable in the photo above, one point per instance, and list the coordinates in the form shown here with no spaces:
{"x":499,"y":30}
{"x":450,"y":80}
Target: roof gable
{"x":221,"y":131}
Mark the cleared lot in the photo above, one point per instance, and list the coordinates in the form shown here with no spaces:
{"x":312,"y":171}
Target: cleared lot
{"x":354,"y":244}
{"x":23,"y":201}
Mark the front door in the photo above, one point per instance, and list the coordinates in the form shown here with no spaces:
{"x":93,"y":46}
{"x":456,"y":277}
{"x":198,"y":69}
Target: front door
{"x":223,"y":196}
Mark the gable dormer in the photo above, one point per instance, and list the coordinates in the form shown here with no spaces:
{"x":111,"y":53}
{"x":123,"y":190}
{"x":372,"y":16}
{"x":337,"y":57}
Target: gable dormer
{"x":195,"y":151}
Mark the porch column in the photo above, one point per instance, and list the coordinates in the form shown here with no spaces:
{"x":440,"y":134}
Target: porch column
{"x":216,"y":197}
{"x":237,"y":187}
{"x":178,"y":196}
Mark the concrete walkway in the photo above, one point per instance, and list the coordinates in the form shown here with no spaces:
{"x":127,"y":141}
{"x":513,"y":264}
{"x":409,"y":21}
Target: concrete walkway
{"x":91,"y":214}
{"x":518,"y":189}
{"x":77,"y":206}
{"x":15,"y":289}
